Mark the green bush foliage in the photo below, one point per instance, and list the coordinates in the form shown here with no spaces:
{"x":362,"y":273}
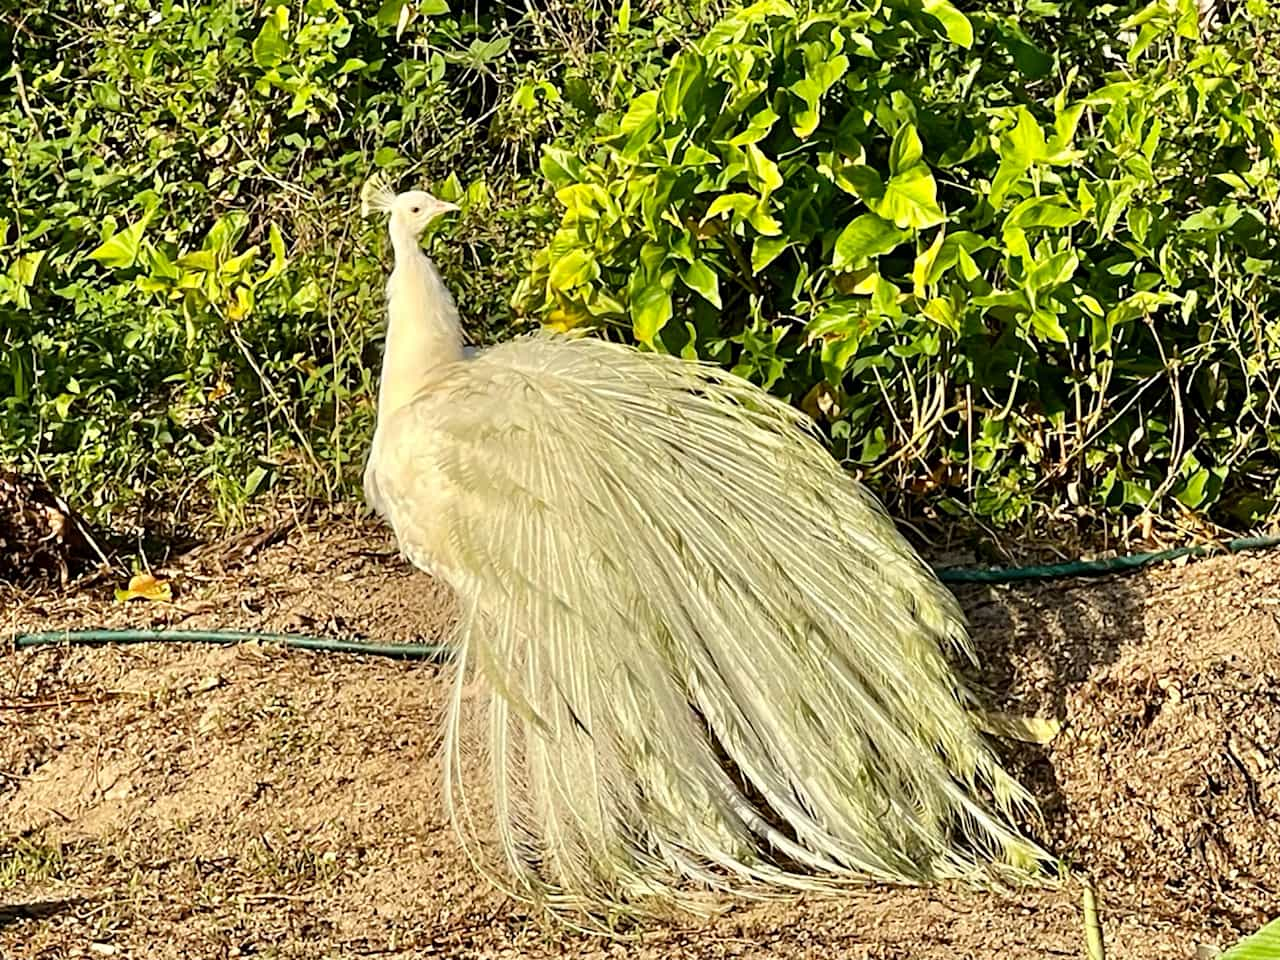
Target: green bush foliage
{"x":1015,"y":257}
{"x":189,"y":304}
{"x":1022,"y":257}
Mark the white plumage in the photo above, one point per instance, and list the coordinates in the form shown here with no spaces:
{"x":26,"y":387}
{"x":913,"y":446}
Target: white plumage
{"x":710,"y":659}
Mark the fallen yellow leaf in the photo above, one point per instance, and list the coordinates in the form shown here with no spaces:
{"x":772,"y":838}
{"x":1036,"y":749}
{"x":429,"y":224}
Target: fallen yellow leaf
{"x":143,"y":586}
{"x":1027,"y":729}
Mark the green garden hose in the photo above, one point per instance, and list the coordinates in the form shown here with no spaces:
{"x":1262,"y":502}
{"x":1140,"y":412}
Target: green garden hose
{"x":399,"y":651}
{"x":440,"y":653}
{"x":1085,"y":568}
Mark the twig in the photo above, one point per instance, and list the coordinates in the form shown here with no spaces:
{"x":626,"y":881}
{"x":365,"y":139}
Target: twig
{"x":271,"y":391}
{"x":266,"y":172}
{"x":22,"y":86}
{"x":748,"y":277}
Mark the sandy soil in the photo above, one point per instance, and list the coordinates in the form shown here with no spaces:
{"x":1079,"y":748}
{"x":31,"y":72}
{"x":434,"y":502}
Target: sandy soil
{"x":163,"y":801}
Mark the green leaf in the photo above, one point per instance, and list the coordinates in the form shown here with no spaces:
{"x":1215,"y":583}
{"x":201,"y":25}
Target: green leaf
{"x":650,"y":311}
{"x":922,"y":272}
{"x":740,"y":203}
{"x":906,"y":151}
{"x":120,"y":251}
{"x":1030,"y":60}
{"x":867,"y":236}
{"x":757,"y":129}
{"x":572,"y":270}
{"x":226,"y":231}
{"x":1020,"y":147}
{"x":1046,"y":325}
{"x":911,"y":199}
{"x":745,"y":206}
{"x":956,"y":24}
{"x":682,"y":78}
{"x":1065,"y":123}
{"x":702,"y":279}
{"x":559,"y":167}
{"x":864,"y":182}
{"x":62,"y":405}
{"x":764,"y":172}
{"x":270,"y":48}
{"x":1202,"y":487}
{"x":254,"y":481}
{"x":641,"y":114}
{"x":240,"y":262}
{"x":278,"y":257}
{"x":766,"y":250}
{"x":696,"y":156}
{"x":1263,"y":945}
{"x":762,"y":9}
{"x":24,"y":268}
{"x":1140,"y":305}
{"x":1025,"y":143}
{"x":818,"y":79}
{"x":942,"y":312}
{"x":1213,"y":219}
{"x":1088,"y":303}
{"x":1053,"y":212}
{"x":1053,"y":272}
{"x":450,"y":189}
{"x":388,"y":14}
{"x":763,"y":221}
{"x":202,"y":261}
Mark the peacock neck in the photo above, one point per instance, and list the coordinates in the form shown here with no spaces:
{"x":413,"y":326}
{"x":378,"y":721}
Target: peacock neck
{"x":423,"y":330}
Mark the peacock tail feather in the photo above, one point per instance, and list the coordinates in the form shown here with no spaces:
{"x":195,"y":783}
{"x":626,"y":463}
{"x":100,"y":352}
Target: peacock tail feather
{"x":709,"y":658}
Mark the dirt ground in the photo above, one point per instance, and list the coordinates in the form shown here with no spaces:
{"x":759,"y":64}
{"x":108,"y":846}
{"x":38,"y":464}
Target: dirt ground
{"x":164,"y":801}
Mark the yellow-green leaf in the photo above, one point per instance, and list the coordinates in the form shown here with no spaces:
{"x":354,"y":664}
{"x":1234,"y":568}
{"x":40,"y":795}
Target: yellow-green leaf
{"x":120,"y":250}
{"x":906,"y":151}
{"x":701,"y":278}
{"x":765,"y":250}
{"x":911,"y":199}
{"x":757,"y":128}
{"x":1263,"y":945}
{"x":650,"y":311}
{"x":1047,"y":326}
{"x":740,"y":203}
{"x":278,"y":258}
{"x":573,"y":269}
{"x":764,"y":172}
{"x":240,"y":262}
{"x":866,"y":236}
{"x":270,"y":48}
{"x":956,"y":24}
{"x":922,"y":270}
{"x":24,"y":268}
{"x":1054,"y":212}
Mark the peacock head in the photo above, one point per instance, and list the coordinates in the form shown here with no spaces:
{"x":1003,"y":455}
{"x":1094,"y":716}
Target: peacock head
{"x":410,"y":211}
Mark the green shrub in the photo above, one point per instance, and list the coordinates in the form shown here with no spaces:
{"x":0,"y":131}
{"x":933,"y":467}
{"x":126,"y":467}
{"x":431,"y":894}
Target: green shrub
{"x":189,"y":306}
{"x":1018,"y":259}
{"x":1006,"y":263}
